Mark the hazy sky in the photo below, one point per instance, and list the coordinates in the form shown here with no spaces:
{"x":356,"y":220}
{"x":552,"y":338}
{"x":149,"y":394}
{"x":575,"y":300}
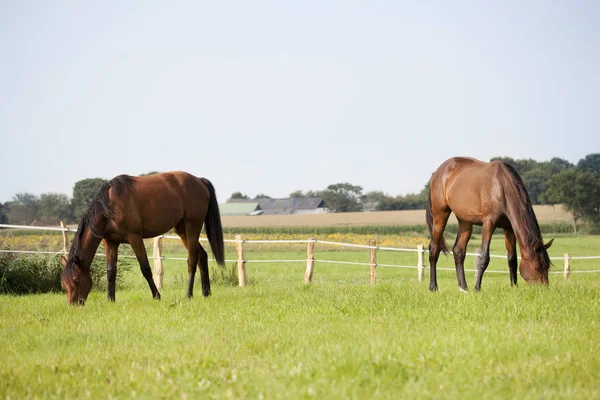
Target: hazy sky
{"x":272,"y":97}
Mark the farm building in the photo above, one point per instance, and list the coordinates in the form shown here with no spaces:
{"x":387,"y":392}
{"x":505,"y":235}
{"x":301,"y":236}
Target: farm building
{"x":293,"y":205}
{"x":230,"y":209}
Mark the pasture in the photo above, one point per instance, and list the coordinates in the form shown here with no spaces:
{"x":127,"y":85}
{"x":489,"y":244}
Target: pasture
{"x":337,"y":338}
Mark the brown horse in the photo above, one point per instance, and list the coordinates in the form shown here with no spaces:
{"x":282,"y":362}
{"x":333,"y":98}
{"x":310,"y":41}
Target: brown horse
{"x":128,"y":209}
{"x":490,"y":195}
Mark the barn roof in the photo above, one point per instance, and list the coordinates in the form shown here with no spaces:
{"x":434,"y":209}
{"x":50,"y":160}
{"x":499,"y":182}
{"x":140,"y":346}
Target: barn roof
{"x":250,"y":208}
{"x":290,"y":205}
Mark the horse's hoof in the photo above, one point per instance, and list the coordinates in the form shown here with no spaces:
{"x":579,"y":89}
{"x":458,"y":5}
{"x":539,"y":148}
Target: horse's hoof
{"x":433,"y":288}
{"x":462,"y":290}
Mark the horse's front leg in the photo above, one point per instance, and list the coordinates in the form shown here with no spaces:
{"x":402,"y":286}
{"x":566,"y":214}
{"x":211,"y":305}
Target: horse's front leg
{"x":436,"y":246}
{"x":510,"y":241}
{"x":112,"y":250}
{"x":486,"y":237}
{"x":460,"y":251}
{"x":137,"y":244}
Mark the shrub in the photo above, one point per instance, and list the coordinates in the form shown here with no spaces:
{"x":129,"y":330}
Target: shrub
{"x":40,"y":273}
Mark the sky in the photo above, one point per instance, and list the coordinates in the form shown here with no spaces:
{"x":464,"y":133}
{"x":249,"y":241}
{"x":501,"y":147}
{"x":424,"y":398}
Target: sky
{"x":276,"y":96}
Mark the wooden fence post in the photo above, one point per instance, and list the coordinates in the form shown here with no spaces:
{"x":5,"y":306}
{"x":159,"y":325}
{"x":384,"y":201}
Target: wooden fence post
{"x":157,"y":261}
{"x":241,"y":262}
{"x":310,"y":261}
{"x":373,"y":251}
{"x":567,"y":270}
{"x":65,"y":237}
{"x":420,"y":262}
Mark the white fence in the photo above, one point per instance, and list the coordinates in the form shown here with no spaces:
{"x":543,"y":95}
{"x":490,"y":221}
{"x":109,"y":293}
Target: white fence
{"x":310,"y":261}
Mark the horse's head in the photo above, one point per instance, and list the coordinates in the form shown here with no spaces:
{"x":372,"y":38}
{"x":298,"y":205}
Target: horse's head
{"x":534,"y":268}
{"x":76,"y":280}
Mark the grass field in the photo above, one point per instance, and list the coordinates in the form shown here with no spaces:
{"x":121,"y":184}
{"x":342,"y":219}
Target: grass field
{"x":337,"y":338}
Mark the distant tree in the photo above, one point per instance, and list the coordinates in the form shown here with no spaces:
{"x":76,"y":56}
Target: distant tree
{"x":84,"y":192}
{"x":24,"y":209}
{"x":55,"y":207}
{"x":297,"y":193}
{"x":374,"y":196}
{"x":537,"y":178}
{"x":559,"y":164}
{"x":238,"y":196}
{"x":579,"y":191}
{"x":3,"y":217}
{"x":591,"y":163}
{"x":262,"y":196}
{"x":343,"y":197}
{"x":314,"y":193}
{"x":150,"y":173}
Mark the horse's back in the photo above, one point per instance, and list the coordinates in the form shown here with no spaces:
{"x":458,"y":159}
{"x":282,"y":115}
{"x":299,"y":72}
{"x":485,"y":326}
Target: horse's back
{"x":470,"y":188}
{"x":156,"y":203}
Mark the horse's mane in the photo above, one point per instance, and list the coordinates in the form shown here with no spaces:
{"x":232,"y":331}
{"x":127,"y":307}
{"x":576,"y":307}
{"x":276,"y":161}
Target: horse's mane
{"x":120,"y":185}
{"x":532,"y":234}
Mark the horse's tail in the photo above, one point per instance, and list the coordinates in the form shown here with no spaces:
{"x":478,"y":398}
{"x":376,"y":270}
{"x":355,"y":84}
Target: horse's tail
{"x":214,"y":229}
{"x":429,"y":217}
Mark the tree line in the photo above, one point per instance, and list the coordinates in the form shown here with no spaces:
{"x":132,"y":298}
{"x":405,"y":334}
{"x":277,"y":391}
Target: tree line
{"x":557,"y":181}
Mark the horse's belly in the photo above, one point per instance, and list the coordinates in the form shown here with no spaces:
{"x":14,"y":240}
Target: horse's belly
{"x":475,"y":219}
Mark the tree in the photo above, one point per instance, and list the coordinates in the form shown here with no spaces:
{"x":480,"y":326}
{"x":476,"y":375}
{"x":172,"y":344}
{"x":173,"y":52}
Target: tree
{"x":84,"y":192}
{"x":343,"y":197}
{"x":150,"y":173}
{"x":3,"y":217}
{"x":579,"y":190}
{"x":297,"y":193}
{"x":238,"y":196}
{"x":374,"y":196}
{"x":24,"y":209}
{"x":262,"y":196}
{"x":591,"y":163}
{"x":55,"y":207}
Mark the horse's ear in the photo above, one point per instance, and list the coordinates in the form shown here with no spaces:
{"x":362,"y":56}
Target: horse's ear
{"x":547,"y":245}
{"x":63,"y":261}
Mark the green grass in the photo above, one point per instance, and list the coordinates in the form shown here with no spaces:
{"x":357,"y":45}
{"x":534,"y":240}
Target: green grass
{"x":337,"y":338}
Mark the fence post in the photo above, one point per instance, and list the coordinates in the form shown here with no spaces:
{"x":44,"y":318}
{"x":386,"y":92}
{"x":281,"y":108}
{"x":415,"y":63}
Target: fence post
{"x":241,"y":262}
{"x":373,"y":251}
{"x":567,"y":270}
{"x":420,"y":262}
{"x":65,"y":237}
{"x":310,"y":261}
{"x":477,"y":258}
{"x":157,"y":261}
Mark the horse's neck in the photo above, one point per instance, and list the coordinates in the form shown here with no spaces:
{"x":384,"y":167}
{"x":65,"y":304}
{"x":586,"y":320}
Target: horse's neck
{"x":89,"y":244}
{"x":520,"y":230}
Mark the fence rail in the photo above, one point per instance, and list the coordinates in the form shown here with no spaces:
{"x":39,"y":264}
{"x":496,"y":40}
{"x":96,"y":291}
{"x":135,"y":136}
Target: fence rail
{"x":241,"y":261}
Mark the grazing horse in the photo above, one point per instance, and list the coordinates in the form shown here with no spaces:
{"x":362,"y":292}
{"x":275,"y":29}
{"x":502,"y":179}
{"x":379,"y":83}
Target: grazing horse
{"x":490,"y":195}
{"x":128,"y":209}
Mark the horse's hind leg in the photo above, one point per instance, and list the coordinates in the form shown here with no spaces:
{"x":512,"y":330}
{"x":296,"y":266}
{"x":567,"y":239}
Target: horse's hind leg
{"x":486,"y":237}
{"x":137,"y":244}
{"x":203,"y":266}
{"x":111,"y":250}
{"x":180,"y":229}
{"x":510,"y":241}
{"x":460,"y":251}
{"x":439,"y":224}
